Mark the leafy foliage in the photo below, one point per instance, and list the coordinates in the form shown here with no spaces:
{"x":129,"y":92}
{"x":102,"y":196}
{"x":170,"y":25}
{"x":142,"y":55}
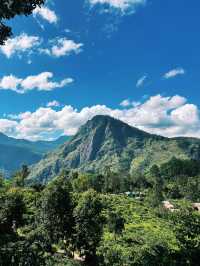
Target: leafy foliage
{"x":12,"y":208}
{"x":56,"y":214}
{"x":89,"y":218}
{"x":89,"y":224}
{"x":10,"y":9}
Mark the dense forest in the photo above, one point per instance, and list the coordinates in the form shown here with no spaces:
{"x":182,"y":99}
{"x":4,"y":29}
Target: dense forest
{"x":108,"y":219}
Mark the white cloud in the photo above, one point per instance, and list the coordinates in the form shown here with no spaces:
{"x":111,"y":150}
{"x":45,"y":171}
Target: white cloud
{"x":53,"y":104}
{"x":24,"y":43}
{"x":10,"y":82}
{"x":141,"y":81}
{"x":63,"y":47}
{"x":46,"y":13}
{"x":20,"y":44}
{"x":187,"y":115}
{"x":8,"y":127}
{"x":174,"y":72}
{"x":40,"y":82}
{"x":121,"y":5}
{"x":167,"y":116}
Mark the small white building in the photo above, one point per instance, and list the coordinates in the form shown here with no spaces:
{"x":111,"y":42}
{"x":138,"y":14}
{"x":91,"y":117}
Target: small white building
{"x":196,"y":206}
{"x":168,"y":206}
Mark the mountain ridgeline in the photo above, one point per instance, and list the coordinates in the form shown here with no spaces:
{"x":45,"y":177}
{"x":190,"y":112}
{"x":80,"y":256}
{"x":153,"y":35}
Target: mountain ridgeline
{"x":15,"y":152}
{"x":107,"y":142}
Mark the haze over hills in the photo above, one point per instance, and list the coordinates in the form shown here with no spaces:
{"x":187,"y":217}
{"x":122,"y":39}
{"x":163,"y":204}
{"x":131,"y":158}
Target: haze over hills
{"x":106,"y":142}
{"x":15,"y":152}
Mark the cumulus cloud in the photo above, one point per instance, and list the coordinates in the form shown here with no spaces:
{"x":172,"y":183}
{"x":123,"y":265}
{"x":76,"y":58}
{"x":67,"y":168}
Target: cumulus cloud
{"x":20,"y":44}
{"x":46,"y":14}
{"x":122,"y":5}
{"x":167,"y":116}
{"x":187,"y":115}
{"x":9,"y":82}
{"x":141,"y":81}
{"x":63,"y":47}
{"x":31,"y":44}
{"x":40,"y":82}
{"x":174,"y":72}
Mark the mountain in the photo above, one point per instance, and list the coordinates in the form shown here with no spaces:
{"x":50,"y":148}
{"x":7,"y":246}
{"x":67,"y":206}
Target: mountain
{"x":107,"y":142}
{"x":15,"y":152}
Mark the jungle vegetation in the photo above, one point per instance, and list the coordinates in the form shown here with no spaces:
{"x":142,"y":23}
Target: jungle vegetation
{"x":110,"y":219}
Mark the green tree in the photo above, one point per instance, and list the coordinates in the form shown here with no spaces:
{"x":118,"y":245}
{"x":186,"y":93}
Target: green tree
{"x":187,"y":230}
{"x":85,"y":182}
{"x":98,"y":182}
{"x":156,"y":196}
{"x":139,"y":181}
{"x":178,"y":167}
{"x":1,"y":180}
{"x":21,"y":252}
{"x":12,"y":210}
{"x":10,"y":9}
{"x":112,"y":181}
{"x":89,"y":224}
{"x":56,"y":214}
{"x":82,"y":183}
{"x":116,"y":223}
{"x":193,"y":189}
{"x":21,"y":176}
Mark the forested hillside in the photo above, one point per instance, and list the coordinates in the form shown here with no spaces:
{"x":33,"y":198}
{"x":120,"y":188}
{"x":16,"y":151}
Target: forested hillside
{"x":105,"y":142}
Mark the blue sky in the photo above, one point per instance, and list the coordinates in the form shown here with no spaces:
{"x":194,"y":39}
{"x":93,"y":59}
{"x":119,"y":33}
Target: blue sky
{"x":74,"y":59}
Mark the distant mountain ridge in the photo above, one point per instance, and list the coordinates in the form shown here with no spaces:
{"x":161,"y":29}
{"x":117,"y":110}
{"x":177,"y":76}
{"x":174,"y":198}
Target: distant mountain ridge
{"x":15,"y":152}
{"x":104,"y":141}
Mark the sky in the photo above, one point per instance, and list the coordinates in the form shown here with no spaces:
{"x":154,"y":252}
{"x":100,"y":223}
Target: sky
{"x":135,"y":60}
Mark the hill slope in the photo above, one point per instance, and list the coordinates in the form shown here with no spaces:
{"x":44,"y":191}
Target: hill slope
{"x":105,"y":141}
{"x":15,"y":152}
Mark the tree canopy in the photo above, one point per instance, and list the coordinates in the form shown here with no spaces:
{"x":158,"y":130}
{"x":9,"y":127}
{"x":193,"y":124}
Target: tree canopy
{"x":11,"y":8}
{"x":61,"y":222}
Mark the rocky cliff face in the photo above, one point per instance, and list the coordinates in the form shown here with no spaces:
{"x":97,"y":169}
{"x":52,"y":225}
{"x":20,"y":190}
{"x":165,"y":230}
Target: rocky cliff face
{"x":105,"y":141}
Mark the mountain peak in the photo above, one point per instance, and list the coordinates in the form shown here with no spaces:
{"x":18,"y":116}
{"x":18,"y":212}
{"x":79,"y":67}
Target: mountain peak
{"x":109,"y":125}
{"x":105,"y":141}
{"x":102,"y":119}
{"x":102,"y":141}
